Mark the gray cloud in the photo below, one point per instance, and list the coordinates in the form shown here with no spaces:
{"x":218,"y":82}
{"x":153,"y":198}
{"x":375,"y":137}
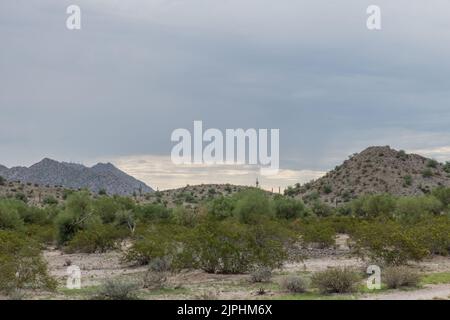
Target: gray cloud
{"x":139,"y":69}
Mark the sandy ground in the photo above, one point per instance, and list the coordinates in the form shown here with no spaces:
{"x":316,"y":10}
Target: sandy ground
{"x":438,"y":291}
{"x":96,"y":268}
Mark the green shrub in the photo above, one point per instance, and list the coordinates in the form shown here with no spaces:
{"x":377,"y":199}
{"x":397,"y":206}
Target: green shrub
{"x":2,"y":181}
{"x":96,"y":238}
{"x":159,"y":242}
{"x":154,"y":280}
{"x":221,"y":207}
{"x":159,"y":265}
{"x":261,"y":274}
{"x":319,"y":232}
{"x":427,"y":173}
{"x":327,"y":189}
{"x":252,"y":205}
{"x":106,"y":208}
{"x":21,"y":264}
{"x":151,"y":212}
{"x":320,"y":209}
{"x":287,"y":208}
{"x":50,"y":201}
{"x":336,"y":280}
{"x":410,"y":209}
{"x":397,"y":277}
{"x":431,"y":163}
{"x":9,"y":215}
{"x":388,"y":242}
{"x":117,"y":290}
{"x":371,"y":206}
{"x":447,"y":166}
{"x":443,"y":195}
{"x":78,"y":215}
{"x":184,"y":216}
{"x":407,"y":180}
{"x":294,"y":284}
{"x":433,"y":234}
{"x":45,"y":234}
{"x":21,"y":197}
{"x":230,"y":247}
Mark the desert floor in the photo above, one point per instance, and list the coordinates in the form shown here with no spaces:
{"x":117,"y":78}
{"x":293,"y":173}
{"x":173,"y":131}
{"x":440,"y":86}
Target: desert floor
{"x":97,"y":268}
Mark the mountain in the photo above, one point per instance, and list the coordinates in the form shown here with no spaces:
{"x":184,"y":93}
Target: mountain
{"x":377,"y":169}
{"x":74,"y":176}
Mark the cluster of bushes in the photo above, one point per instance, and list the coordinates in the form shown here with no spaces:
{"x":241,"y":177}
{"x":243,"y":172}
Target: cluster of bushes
{"x":215,"y":246}
{"x":249,"y":231}
{"x":332,"y":280}
{"x":21,"y":264}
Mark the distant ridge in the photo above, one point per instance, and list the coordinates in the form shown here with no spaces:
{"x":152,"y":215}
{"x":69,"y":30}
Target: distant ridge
{"x":102,"y":176}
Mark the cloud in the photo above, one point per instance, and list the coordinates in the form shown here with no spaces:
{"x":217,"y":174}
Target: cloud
{"x":159,"y":171}
{"x":140,"y":69}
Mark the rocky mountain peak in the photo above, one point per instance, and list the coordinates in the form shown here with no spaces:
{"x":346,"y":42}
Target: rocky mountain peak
{"x":377,"y":169}
{"x":102,"y":176}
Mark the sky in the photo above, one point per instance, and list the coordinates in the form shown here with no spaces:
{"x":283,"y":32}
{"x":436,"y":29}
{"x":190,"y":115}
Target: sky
{"x":115,"y":90}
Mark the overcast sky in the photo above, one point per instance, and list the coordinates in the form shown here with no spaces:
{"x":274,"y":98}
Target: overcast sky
{"x":116,"y":89}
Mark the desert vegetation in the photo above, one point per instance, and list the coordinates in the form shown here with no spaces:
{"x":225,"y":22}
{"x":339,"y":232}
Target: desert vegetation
{"x":248,"y":233}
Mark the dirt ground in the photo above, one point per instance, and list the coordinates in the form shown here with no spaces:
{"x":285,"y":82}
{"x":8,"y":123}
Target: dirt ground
{"x":97,"y":268}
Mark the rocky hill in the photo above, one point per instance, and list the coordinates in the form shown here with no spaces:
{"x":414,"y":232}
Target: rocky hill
{"x":376,"y":170}
{"x":75,"y":176}
{"x":192,"y":195}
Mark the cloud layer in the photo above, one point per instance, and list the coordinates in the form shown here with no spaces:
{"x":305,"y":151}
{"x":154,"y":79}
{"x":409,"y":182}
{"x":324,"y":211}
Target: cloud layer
{"x":140,"y":69}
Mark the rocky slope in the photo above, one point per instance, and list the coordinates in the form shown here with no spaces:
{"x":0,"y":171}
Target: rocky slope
{"x":376,"y":170}
{"x":74,"y":176}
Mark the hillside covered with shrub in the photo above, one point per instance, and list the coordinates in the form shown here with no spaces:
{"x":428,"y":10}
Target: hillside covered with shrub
{"x":246,"y":232}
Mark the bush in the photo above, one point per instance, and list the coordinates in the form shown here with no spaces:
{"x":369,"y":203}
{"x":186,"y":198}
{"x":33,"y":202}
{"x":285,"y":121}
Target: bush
{"x":21,"y":197}
{"x":336,"y":280}
{"x":431,"y":163}
{"x":50,"y":201}
{"x":117,"y":290}
{"x":411,"y":209}
{"x":372,"y":206}
{"x":388,"y":242}
{"x":261,"y":274}
{"x":184,"y":216}
{"x":154,"y":280}
{"x":397,"y":277}
{"x":221,"y":208}
{"x":294,"y":284}
{"x":97,"y":238}
{"x":151,"y":212}
{"x":252,"y":205}
{"x":287,"y":208}
{"x":160,"y":265}
{"x":318,"y":232}
{"x":433,"y":234}
{"x":442,"y":194}
{"x":159,"y":242}
{"x":10,"y":214}
{"x":427,"y":173}
{"x":21,"y":264}
{"x":44,"y":234}
{"x":320,"y":209}
{"x":407,"y":180}
{"x":78,"y":215}
{"x":2,"y":181}
{"x":230,"y":247}
{"x":220,"y":247}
